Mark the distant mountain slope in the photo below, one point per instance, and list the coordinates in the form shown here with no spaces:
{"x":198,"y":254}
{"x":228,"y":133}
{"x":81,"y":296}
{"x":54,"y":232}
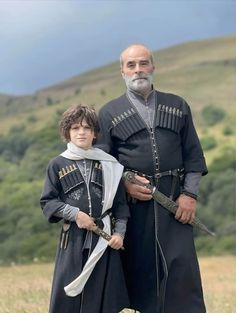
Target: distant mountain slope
{"x":202,"y":72}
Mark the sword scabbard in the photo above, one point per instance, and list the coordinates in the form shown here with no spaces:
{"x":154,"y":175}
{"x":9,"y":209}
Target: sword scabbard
{"x":164,"y":201}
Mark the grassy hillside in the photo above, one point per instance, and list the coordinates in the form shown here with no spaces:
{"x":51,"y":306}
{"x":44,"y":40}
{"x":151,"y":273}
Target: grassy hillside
{"x":202,"y":72}
{"x":175,"y":67}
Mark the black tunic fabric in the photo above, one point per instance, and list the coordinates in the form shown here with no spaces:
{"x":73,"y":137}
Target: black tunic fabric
{"x":105,"y":291}
{"x":160,"y":261}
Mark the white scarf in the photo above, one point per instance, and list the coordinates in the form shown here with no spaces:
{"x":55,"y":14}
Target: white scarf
{"x":112,"y":172}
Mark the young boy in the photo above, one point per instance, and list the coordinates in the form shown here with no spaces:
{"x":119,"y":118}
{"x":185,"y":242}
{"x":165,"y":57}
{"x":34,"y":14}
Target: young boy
{"x":83,"y":189}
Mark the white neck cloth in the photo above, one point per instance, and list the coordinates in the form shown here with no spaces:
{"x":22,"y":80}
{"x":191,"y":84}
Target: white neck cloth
{"x":112,"y":172}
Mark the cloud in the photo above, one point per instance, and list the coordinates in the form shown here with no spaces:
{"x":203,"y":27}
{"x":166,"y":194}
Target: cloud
{"x":45,"y":41}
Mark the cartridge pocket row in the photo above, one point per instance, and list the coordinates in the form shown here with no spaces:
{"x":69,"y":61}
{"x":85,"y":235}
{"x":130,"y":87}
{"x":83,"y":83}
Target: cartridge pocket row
{"x":169,"y":117}
{"x":96,"y":177}
{"x":127,"y":125}
{"x":70,"y":177}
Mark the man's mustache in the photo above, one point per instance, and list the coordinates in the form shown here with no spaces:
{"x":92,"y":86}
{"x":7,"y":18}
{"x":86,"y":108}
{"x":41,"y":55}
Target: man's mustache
{"x":138,"y":76}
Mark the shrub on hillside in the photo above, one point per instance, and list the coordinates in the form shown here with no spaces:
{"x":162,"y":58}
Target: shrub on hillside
{"x":224,"y":162}
{"x":49,"y":101}
{"x":216,"y":245}
{"x":32,"y":119}
{"x":208,"y":143}
{"x":227,"y":131}
{"x":14,"y":145}
{"x":212,"y":115}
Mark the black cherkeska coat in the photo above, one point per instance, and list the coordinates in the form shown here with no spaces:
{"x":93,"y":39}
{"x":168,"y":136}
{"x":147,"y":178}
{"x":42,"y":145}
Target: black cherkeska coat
{"x":105,"y":291}
{"x":160,"y":261}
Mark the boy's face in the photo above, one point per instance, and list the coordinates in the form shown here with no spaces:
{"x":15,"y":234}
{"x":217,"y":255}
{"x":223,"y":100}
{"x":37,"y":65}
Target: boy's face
{"x":82,"y":135}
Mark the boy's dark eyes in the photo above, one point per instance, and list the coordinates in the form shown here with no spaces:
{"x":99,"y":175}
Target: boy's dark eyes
{"x":77,"y":127}
{"x":87,"y":127}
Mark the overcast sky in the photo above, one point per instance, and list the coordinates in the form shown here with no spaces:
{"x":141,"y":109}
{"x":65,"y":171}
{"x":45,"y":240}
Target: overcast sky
{"x":43,"y":42}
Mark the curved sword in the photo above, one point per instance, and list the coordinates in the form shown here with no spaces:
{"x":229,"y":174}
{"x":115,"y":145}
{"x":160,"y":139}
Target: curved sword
{"x":164,"y":201}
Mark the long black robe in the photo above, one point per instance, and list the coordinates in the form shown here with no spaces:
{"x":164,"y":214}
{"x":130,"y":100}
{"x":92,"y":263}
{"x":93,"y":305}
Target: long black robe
{"x":105,"y":291}
{"x":160,"y":261}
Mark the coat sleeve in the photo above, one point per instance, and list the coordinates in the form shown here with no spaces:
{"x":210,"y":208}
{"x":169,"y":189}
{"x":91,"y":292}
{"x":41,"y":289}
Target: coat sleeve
{"x":50,"y":200}
{"x":194,"y":160}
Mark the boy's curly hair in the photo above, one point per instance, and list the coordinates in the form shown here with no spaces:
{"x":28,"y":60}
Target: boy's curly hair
{"x":75,"y":115}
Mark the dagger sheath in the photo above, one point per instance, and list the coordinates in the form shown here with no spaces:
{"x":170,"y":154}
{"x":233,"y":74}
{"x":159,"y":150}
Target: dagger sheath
{"x":164,"y":201}
{"x":100,"y":232}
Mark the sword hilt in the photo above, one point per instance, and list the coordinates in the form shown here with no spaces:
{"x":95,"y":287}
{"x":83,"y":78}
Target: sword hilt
{"x":130,"y":177}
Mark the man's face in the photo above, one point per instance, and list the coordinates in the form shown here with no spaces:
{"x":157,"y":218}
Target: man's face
{"x":137,"y":69}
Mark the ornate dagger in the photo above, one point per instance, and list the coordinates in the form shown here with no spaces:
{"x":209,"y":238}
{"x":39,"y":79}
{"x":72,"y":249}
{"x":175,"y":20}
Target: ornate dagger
{"x":100,"y":232}
{"x":164,"y":201}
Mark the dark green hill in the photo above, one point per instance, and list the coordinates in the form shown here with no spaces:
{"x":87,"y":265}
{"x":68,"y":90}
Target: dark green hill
{"x":202,"y":72}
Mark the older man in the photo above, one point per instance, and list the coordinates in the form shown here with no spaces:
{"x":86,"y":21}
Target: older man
{"x":152,"y":134}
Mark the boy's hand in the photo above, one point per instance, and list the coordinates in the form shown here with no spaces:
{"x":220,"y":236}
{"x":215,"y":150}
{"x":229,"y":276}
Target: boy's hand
{"x":83,"y":220}
{"x":116,"y":241}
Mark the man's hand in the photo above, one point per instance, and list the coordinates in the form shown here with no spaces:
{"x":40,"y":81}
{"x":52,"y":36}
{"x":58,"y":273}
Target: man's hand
{"x":186,"y":209}
{"x":116,"y":241}
{"x":83,"y":220}
{"x":138,"y":192}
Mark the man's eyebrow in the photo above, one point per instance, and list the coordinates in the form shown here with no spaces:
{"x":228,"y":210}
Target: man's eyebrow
{"x":131,"y":62}
{"x":137,"y":62}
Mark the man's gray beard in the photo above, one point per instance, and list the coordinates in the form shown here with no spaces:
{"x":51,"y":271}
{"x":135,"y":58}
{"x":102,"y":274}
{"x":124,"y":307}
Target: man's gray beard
{"x":140,"y":86}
